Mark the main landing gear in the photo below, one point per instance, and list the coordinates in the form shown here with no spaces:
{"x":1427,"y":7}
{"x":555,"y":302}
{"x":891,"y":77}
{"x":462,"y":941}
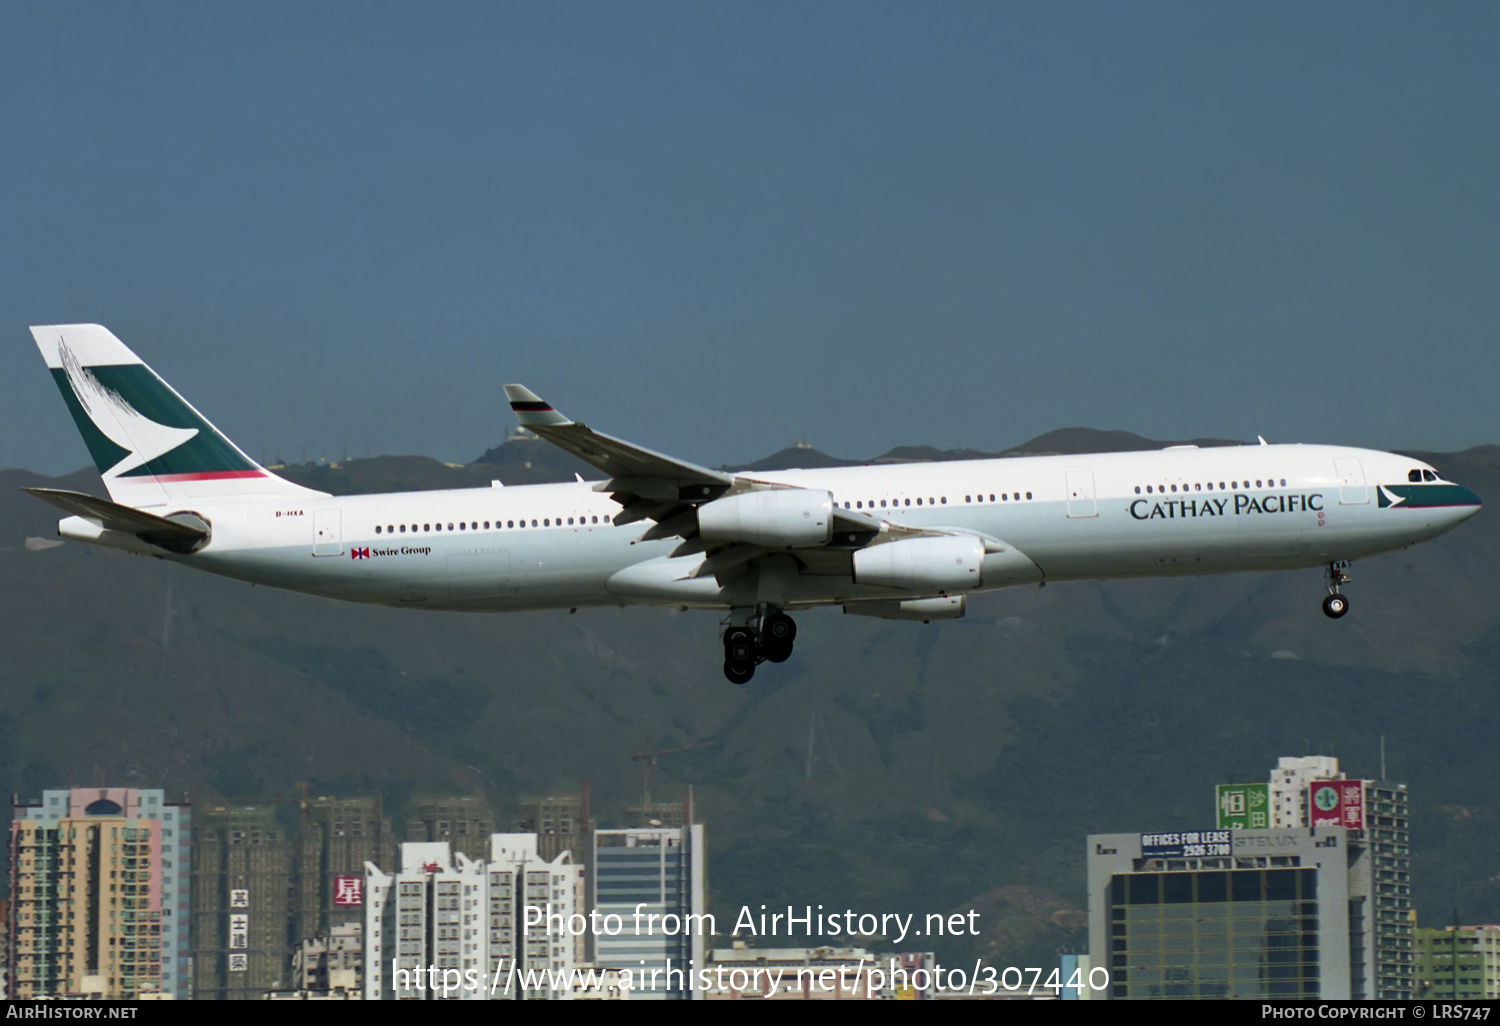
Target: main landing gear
{"x":1336,"y":604}
{"x":768,"y":635}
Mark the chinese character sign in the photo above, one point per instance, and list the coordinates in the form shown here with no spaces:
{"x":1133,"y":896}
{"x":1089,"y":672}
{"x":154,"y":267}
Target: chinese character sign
{"x":239,"y":930}
{"x":1337,"y":803}
{"x":239,"y":963}
{"x":348,"y":890}
{"x":1244,"y":806}
{"x":239,"y":898}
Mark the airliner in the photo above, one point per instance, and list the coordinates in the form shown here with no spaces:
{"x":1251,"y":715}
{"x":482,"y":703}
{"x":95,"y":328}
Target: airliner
{"x":902,"y":542}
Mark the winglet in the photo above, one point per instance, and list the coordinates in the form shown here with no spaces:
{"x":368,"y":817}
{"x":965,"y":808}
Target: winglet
{"x":530,"y":410}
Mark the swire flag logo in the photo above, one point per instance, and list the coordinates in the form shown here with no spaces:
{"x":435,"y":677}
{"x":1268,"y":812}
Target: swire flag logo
{"x":359,"y":553}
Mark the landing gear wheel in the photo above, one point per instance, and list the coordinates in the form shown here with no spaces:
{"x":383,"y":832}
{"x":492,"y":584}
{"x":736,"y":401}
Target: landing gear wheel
{"x":1335,"y":606}
{"x":738,"y":673}
{"x":740,"y":649}
{"x":777,"y":635}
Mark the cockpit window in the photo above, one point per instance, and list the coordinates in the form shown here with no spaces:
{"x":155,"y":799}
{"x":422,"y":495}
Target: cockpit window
{"x":1415,"y":475}
{"x":1428,"y":475}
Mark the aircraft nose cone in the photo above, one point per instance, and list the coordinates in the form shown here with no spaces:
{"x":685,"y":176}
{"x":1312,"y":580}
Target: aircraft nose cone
{"x":1467,"y":502}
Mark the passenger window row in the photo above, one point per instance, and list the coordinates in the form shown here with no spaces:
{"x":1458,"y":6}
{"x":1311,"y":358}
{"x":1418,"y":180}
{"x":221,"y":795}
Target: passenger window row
{"x":1232,"y":486}
{"x":939,"y":501}
{"x":474,"y":525}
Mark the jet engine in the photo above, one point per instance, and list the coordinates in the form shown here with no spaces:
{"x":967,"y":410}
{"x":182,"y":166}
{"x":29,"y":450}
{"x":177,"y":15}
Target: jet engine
{"x":778,"y":518}
{"x":937,"y":564}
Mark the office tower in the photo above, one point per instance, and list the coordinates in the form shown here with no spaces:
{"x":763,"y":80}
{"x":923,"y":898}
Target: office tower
{"x":1233,"y":914}
{"x":644,"y":872}
{"x":445,"y":927}
{"x":465,"y":823}
{"x":99,"y":895}
{"x":243,"y":878}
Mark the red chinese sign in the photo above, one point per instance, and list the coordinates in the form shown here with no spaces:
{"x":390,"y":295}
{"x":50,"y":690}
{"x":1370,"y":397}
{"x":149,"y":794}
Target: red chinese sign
{"x":348,"y":890}
{"x":1336,"y":803}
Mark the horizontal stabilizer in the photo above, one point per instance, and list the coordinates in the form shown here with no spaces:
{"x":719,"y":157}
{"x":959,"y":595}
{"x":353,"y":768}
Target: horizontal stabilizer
{"x":168,"y":534}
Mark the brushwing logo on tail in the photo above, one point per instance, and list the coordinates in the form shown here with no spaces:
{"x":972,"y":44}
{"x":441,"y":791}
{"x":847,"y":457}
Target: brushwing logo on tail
{"x":143,"y":439}
{"x":136,"y":426}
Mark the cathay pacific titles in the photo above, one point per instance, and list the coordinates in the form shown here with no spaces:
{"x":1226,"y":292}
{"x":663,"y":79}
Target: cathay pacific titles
{"x":1179,"y":509}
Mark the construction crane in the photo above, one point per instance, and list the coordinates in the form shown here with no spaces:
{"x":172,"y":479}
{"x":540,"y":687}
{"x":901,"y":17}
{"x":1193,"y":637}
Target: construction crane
{"x":649,"y":757}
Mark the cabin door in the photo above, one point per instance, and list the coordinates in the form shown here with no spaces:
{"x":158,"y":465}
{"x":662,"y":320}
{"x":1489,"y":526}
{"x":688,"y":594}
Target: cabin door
{"x":1081,"y":501}
{"x":328,"y":538}
{"x":1352,"y":490}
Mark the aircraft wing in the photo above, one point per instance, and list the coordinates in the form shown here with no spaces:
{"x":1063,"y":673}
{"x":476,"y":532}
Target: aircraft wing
{"x":617,"y":458}
{"x":667,"y":491}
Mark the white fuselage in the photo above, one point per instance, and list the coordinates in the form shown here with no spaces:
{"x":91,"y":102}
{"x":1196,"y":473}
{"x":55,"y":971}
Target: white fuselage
{"x":1168,"y":512}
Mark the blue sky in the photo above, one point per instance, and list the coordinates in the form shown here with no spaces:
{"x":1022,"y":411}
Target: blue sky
{"x":716,"y":228}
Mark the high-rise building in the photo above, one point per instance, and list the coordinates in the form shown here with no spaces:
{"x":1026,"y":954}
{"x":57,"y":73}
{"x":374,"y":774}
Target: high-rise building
{"x":336,"y":837}
{"x":465,"y":823}
{"x":1387,"y":834}
{"x":444,"y":926}
{"x":99,"y":895}
{"x":655,"y":880}
{"x":1289,"y":782}
{"x":1228,"y":914}
{"x":1289,"y":913}
{"x":1378,"y":816}
{"x":272,"y":874}
{"x":560,"y":823}
{"x":243,"y":879}
{"x":1474,"y":950}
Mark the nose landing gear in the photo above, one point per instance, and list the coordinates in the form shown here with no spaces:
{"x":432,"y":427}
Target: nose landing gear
{"x":1336,"y":604}
{"x":768,"y":635}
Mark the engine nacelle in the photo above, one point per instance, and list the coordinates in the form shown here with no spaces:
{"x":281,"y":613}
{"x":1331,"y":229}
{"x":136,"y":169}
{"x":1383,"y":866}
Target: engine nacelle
{"x":779,"y":518}
{"x":950,"y":607}
{"x":942,"y":564}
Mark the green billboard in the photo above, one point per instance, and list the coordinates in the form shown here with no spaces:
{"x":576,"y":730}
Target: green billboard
{"x":1244,"y":806}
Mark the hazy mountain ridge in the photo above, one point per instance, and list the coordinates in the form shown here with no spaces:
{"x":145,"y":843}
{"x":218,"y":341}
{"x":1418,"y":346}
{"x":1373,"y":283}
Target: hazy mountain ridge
{"x":529,"y":460}
{"x":890,"y":765}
